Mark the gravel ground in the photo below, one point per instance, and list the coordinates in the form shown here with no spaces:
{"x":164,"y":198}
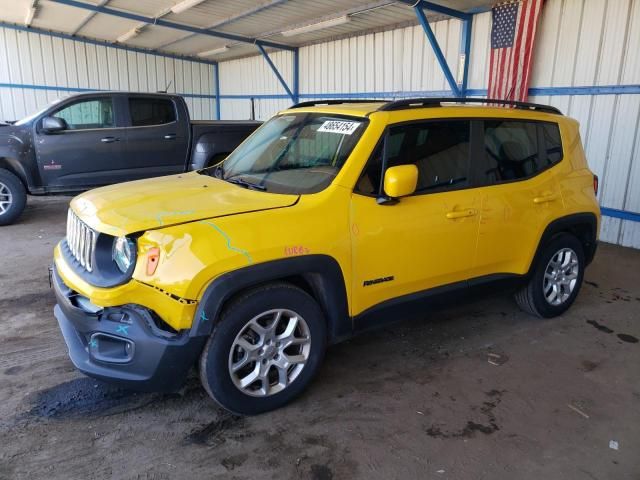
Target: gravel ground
{"x":479,"y":391}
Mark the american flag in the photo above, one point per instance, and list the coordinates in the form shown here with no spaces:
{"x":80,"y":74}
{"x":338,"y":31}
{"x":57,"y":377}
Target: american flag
{"x":512,"y":36}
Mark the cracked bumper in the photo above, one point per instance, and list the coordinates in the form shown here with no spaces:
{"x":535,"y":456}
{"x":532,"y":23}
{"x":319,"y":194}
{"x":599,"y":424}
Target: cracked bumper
{"x":122,"y":344}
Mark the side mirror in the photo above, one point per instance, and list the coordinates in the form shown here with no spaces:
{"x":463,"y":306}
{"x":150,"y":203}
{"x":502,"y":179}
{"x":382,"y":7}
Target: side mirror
{"x":400,"y":181}
{"x":54,"y":124}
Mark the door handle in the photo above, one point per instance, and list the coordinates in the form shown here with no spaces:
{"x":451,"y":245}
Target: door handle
{"x":109,"y":139}
{"x":469,"y":212}
{"x":545,"y":197}
{"x":170,"y":136}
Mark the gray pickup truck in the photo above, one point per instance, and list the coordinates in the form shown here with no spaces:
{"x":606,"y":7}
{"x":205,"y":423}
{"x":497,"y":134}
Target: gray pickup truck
{"x":100,"y":138}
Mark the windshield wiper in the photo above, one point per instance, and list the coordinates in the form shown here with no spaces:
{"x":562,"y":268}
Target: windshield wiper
{"x":245,"y":184}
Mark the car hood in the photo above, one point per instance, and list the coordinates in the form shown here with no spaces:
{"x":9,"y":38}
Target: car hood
{"x":155,"y":203}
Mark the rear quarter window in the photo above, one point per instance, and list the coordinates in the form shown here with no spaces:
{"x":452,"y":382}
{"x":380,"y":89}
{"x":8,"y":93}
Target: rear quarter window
{"x":552,"y":143}
{"x":517,"y":150}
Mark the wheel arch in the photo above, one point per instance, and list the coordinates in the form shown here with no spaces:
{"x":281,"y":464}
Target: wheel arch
{"x":318,"y":275}
{"x":15,"y":167}
{"x":583,"y":226}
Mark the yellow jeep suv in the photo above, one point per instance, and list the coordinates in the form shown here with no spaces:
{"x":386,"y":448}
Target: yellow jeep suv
{"x":331,"y":218}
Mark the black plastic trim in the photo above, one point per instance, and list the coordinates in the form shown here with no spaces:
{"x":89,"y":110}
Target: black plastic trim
{"x":157,"y":360}
{"x":321,"y":273}
{"x":575,"y":224}
{"x":437,"y":102}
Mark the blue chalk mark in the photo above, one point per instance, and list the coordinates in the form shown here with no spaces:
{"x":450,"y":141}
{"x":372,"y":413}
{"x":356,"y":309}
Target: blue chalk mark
{"x":228,"y":239}
{"x":160,"y":216}
{"x":203,"y":317}
{"x":124,"y":329}
{"x":93,"y":343}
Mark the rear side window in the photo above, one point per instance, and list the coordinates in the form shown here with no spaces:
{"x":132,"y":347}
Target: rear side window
{"x":440,"y":150}
{"x":510,"y":151}
{"x":552,"y":143}
{"x":151,"y":111}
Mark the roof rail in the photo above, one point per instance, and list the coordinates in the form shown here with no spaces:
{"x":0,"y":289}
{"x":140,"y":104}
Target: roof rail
{"x":312,"y":103}
{"x":437,"y":102}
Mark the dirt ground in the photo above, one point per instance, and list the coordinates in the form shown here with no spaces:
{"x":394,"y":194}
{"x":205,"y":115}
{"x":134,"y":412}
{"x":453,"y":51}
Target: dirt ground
{"x":480,"y":391}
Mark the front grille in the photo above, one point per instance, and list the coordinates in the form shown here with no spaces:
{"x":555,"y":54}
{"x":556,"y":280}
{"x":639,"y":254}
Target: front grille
{"x":81,"y":240}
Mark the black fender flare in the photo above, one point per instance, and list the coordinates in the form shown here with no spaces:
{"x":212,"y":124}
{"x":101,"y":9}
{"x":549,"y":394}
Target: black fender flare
{"x":15,"y":167}
{"x":321,"y":274}
{"x":582,"y":225}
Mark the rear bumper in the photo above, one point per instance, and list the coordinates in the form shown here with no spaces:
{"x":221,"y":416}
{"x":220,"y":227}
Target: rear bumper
{"x":123,"y":345}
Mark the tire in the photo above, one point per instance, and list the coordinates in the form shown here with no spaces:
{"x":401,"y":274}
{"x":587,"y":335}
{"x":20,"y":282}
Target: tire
{"x":13,"y":197}
{"x":562,"y":260}
{"x":266,"y":354}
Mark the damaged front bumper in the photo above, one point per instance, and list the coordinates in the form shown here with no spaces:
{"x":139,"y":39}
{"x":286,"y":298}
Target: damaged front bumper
{"x":123,"y":344}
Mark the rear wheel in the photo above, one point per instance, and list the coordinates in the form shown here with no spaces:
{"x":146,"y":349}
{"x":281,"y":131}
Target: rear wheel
{"x":13,"y":197}
{"x":265,"y":349}
{"x":556,"y":279}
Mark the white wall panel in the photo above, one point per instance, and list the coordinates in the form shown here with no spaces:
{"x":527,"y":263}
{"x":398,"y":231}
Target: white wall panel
{"x":33,"y":59}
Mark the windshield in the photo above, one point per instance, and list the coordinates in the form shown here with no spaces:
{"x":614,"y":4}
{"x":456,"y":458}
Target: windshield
{"x":293,"y":153}
{"x":34,"y":115}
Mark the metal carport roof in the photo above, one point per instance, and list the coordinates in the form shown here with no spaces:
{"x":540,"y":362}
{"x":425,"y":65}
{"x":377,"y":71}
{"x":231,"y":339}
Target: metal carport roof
{"x":216,"y":30}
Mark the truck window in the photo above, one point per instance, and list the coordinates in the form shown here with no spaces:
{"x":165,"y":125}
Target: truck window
{"x":88,"y":114}
{"x":151,"y":111}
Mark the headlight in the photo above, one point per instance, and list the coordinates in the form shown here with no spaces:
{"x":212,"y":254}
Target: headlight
{"x":123,"y":253}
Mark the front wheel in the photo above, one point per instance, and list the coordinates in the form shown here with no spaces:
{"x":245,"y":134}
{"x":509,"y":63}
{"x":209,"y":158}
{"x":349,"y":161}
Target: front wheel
{"x":265,"y":349}
{"x":556,"y":278}
{"x":13,"y":197}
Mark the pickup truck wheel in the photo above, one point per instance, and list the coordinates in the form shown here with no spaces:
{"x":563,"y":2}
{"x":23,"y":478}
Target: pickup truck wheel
{"x":556,"y":279}
{"x":265,"y":349}
{"x":13,"y":197}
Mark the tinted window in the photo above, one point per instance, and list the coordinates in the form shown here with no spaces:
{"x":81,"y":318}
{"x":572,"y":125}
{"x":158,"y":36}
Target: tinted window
{"x":151,"y":111}
{"x":510,"y":150}
{"x":439,"y":149}
{"x":95,"y":113}
{"x":552,"y":143}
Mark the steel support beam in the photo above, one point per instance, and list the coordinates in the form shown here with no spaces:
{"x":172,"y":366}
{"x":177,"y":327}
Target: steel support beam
{"x":434,"y":7}
{"x":422,"y":18}
{"x":216,"y":82}
{"x":277,"y":73}
{"x":172,"y":25}
{"x":296,"y":76}
{"x":234,"y":18}
{"x":465,"y":49}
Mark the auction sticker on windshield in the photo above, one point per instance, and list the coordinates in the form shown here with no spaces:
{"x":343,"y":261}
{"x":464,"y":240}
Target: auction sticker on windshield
{"x":339,"y":126}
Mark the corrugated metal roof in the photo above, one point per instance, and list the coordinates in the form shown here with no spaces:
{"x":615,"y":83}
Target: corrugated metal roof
{"x":263,"y":19}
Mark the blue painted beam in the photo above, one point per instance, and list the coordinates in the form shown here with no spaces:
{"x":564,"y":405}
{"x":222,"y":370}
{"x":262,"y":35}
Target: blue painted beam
{"x":422,"y":18}
{"x":276,"y":72}
{"x":474,"y":92}
{"x":465,"y":47}
{"x":166,"y":23}
{"x":434,"y":7}
{"x":22,"y":28}
{"x":296,"y":76}
{"x":216,"y":80}
{"x":621,"y":214}
{"x":226,"y":21}
{"x":586,"y":90}
{"x":82,"y":89}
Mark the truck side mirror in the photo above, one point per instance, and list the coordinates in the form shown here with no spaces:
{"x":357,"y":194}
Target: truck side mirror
{"x":54,"y":124}
{"x":400,"y":181}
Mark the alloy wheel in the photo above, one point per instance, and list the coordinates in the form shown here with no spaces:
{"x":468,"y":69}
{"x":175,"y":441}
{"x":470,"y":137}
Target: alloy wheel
{"x":6,"y":198}
{"x":269,"y":353}
{"x":560,"y":276}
